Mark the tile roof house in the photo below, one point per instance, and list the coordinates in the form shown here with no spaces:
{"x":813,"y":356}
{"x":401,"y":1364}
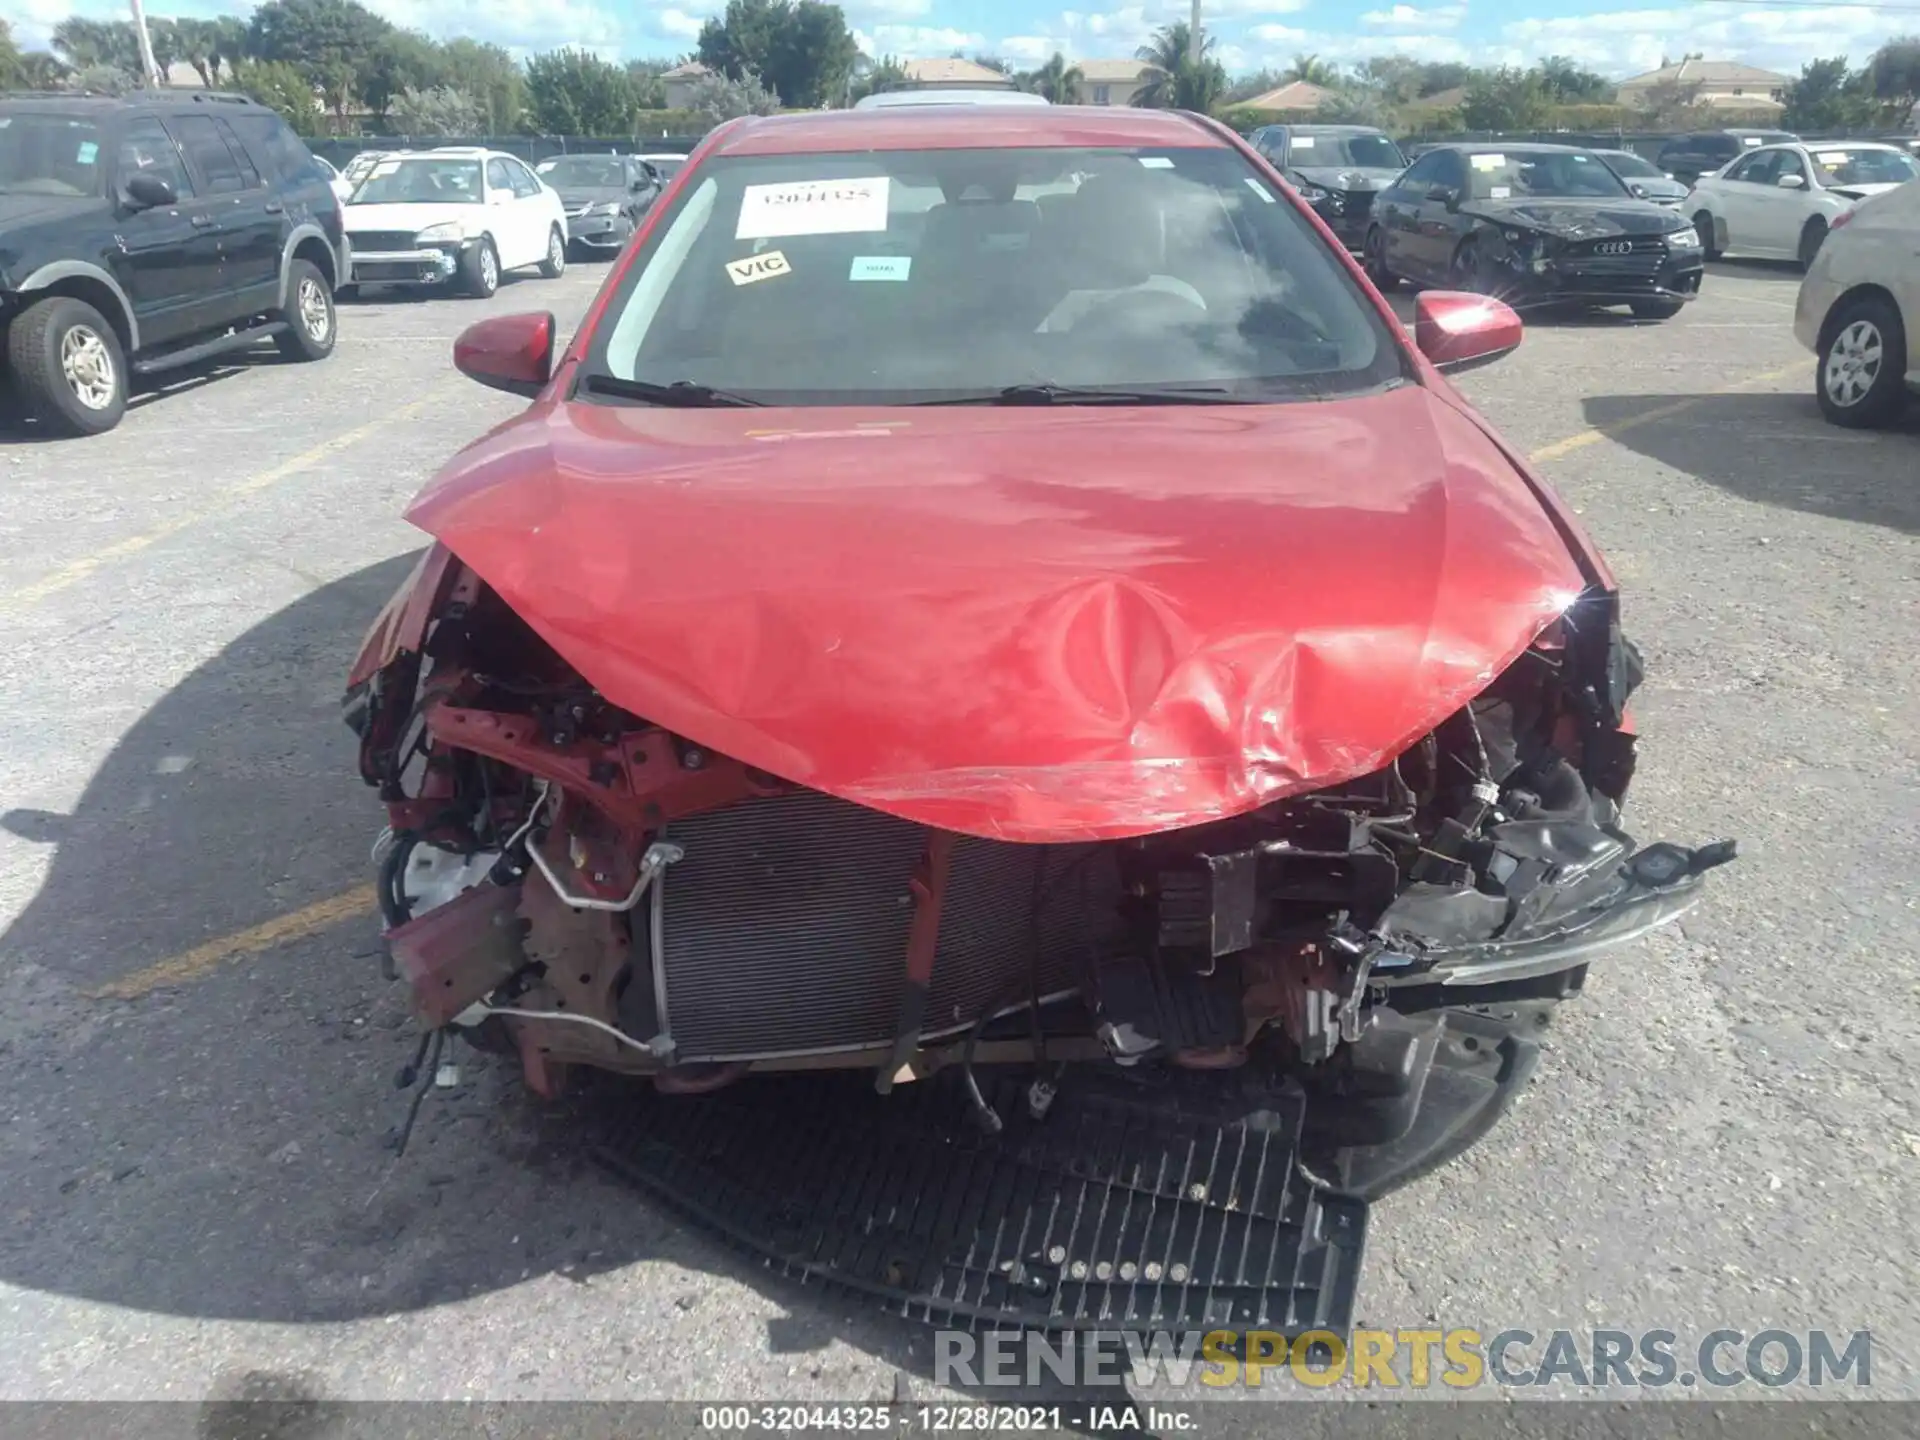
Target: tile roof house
{"x":1299,"y":97}
{"x":680,"y":82}
{"x":1109,"y":82}
{"x":955,"y":74}
{"x":1718,"y":84}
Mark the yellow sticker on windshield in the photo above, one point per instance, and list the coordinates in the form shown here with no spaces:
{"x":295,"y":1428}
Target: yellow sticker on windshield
{"x":1487,"y":162}
{"x":758,"y":267}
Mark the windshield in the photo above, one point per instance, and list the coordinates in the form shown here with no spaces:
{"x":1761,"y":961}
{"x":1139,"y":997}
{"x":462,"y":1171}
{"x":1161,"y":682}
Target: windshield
{"x":1632,"y":167}
{"x":1540,"y":174}
{"x":1366,"y":152}
{"x":424,"y":181}
{"x":665,"y":166}
{"x":42,"y":154}
{"x":588,"y":172}
{"x":1858,"y":165}
{"x":901,"y":276}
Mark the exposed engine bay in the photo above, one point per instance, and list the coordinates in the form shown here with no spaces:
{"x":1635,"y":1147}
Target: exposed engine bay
{"x":564,"y":880}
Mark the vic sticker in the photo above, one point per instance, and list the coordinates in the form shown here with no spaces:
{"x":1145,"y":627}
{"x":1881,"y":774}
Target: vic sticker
{"x":813,"y":207}
{"x":758,"y":267}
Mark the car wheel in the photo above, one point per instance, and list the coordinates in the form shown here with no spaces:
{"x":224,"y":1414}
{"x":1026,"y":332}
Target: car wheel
{"x":480,"y":269}
{"x":1374,"y":253}
{"x":1466,"y":273}
{"x":1811,"y":239}
{"x":1656,"y":309}
{"x":1863,"y":364}
{"x":68,"y":366}
{"x":309,"y":314}
{"x":1709,"y":237}
{"x":555,"y":265}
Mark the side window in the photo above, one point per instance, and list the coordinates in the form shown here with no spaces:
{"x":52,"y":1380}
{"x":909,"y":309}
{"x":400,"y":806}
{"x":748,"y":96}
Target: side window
{"x":498,"y":177}
{"x":1745,"y":168}
{"x":249,"y":172}
{"x":1790,"y":163}
{"x":1763,"y":169}
{"x":1417,"y":177}
{"x":276,"y":150}
{"x":521,"y":179}
{"x":208,"y":152}
{"x":145,"y":147}
{"x":1452,"y":170}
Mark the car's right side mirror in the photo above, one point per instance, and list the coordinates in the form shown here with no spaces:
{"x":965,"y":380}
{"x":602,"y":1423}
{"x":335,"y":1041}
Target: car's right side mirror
{"x":149,"y":191}
{"x":513,"y":353}
{"x":1461,"y":331}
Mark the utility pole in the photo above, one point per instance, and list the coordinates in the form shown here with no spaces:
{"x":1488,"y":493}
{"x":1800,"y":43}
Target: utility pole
{"x":149,"y":71}
{"x":1194,"y":47}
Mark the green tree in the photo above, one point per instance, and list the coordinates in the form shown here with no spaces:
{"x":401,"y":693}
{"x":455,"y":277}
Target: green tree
{"x":440,"y":111}
{"x":1504,"y":100}
{"x":1894,"y":73}
{"x":1355,"y":105}
{"x":1828,"y":95}
{"x":1313,"y":70}
{"x":334,"y":43}
{"x":41,"y":70}
{"x":492,"y":76}
{"x":1055,"y":81}
{"x":1178,"y":79}
{"x":870,"y":77}
{"x":575,"y":92}
{"x":649,"y":91}
{"x":719,"y":98}
{"x":13,"y":70}
{"x":802,"y":49}
{"x":1566,"y":82}
{"x":84,"y":43}
{"x":1248,"y":86}
{"x":282,"y":87}
{"x":400,"y":61}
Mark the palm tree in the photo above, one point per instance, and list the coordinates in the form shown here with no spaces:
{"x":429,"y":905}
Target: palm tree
{"x":1055,"y":81}
{"x":1313,"y":70}
{"x":1177,"y":78}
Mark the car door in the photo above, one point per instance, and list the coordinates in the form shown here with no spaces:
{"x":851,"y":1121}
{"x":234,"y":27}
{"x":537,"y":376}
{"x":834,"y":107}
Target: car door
{"x":1396,"y":210}
{"x":507,"y":217}
{"x":643,"y":187}
{"x":1732,"y":193}
{"x":1431,"y":239}
{"x":246,"y":231}
{"x":540,"y":206}
{"x":1779,"y":207}
{"x":167,"y":264}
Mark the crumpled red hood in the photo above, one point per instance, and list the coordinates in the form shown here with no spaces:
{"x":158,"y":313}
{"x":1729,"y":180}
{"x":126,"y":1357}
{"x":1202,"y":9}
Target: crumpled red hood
{"x":1036,"y":624}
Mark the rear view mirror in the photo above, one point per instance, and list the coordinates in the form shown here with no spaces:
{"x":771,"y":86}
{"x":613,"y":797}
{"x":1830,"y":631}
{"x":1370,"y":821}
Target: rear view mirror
{"x":1459,"y":331}
{"x":513,"y":353}
{"x":148,"y":191}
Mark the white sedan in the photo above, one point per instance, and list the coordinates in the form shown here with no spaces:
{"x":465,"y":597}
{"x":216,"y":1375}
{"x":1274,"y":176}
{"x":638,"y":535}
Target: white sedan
{"x":1859,"y":311}
{"x":1780,"y":201}
{"x":456,"y":217}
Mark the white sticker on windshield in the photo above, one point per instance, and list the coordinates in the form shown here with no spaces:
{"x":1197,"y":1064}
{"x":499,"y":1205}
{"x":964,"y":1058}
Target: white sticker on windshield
{"x":880,"y":267}
{"x":88,"y":150}
{"x":544,"y":166}
{"x":1260,"y":190}
{"x":813,"y":207}
{"x":758,"y":267}
{"x":1156,"y":162}
{"x":1832,"y":157}
{"x":386,"y":167}
{"x":1749,"y":140}
{"x":1500,"y":192}
{"x":1302,"y":142}
{"x":1487,"y":162}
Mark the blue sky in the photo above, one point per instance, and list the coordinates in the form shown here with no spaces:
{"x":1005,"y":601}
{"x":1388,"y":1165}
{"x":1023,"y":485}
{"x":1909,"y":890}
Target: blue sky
{"x":1617,"y":39}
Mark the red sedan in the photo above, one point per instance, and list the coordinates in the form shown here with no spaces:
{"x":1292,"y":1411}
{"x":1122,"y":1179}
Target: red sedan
{"x":992,"y":598}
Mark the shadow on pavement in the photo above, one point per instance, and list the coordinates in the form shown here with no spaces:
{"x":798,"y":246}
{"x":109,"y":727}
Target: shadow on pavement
{"x":1779,"y":450}
{"x":219,"y":1147}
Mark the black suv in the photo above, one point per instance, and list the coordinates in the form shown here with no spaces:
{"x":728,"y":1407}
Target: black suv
{"x":143,"y":232}
{"x":1687,"y":157}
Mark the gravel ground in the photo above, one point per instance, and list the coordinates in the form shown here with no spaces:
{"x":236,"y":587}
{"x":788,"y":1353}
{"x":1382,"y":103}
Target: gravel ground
{"x":194,"y":1200}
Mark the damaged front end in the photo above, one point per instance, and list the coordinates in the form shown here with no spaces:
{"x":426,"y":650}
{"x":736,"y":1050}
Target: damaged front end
{"x":563,"y":879}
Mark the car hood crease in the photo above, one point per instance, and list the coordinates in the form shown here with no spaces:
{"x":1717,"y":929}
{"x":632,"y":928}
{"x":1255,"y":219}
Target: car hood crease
{"x":1579,"y":220}
{"x":1032,"y":624}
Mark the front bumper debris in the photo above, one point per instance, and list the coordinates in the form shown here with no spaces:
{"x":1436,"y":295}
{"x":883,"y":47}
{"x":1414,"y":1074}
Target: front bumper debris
{"x":426,"y":266}
{"x":1539,"y":273}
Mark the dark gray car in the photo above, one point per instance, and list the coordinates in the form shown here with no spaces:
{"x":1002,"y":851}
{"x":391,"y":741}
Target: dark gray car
{"x":1644,"y":178}
{"x":1338,"y":169}
{"x":604,"y":196}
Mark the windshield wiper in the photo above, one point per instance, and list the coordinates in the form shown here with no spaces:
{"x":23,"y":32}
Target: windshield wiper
{"x":1045,"y":392}
{"x":680,"y":392}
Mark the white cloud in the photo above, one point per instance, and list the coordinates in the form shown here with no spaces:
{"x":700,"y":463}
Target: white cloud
{"x":1412,"y":17}
{"x":679,"y":24}
{"x":1783,"y":38}
{"x":883,"y":11}
{"x":525,"y":27}
{"x":916,"y":42}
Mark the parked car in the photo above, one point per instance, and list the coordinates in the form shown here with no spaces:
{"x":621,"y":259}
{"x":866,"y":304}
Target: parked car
{"x":455,"y":216}
{"x":1687,"y":157}
{"x":1780,"y":201}
{"x":664,"y":163}
{"x":145,"y":233}
{"x":1338,"y":169}
{"x":1858,"y":306}
{"x":1643,"y":178}
{"x":604,"y":196}
{"x":1131,"y":658}
{"x":338,"y":183}
{"x":1532,"y":224}
{"x":357,"y":169}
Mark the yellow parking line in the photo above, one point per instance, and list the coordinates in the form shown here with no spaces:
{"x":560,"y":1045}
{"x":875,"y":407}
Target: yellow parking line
{"x":203,"y":960}
{"x":74,"y":572}
{"x":1594,"y":434}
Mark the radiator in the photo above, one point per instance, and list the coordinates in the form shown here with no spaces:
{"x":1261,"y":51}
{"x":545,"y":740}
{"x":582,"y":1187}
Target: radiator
{"x":785,"y":926}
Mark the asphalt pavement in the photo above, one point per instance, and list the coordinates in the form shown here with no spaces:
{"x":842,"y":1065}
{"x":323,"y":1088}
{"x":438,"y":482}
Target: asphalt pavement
{"x":197,"y":1051}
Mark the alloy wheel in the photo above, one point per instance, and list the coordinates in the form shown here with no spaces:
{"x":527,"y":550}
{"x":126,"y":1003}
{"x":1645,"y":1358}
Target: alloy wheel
{"x":489,"y":269}
{"x":88,"y":367}
{"x":1853,"y":364}
{"x":314,"y":313}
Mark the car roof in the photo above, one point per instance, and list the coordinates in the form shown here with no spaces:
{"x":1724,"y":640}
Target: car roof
{"x":962,"y":127}
{"x":888,"y":99}
{"x":1524,"y":147}
{"x":1329,"y":129}
{"x":95,"y":101}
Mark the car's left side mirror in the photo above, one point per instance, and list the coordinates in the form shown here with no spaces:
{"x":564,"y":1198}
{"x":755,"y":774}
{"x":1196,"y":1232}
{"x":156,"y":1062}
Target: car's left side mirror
{"x":1458,"y":331}
{"x":1793,"y":182}
{"x":513,"y":353}
{"x":148,"y":192}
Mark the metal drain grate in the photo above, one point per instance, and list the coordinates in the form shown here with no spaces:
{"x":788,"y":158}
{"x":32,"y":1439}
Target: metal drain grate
{"x":1129,"y":1208}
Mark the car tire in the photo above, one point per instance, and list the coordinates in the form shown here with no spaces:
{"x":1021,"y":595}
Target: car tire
{"x":1709,"y":236}
{"x":1466,"y":270}
{"x":1373,"y":250}
{"x":311,"y":322}
{"x":68,"y":366}
{"x":345,"y":292}
{"x":555,"y":265}
{"x":1861,"y":382}
{"x":1811,"y":239}
{"x":1656,"y":309}
{"x":480,"y":269}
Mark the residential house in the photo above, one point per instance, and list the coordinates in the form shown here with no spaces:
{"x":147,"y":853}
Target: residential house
{"x":954,"y":74}
{"x":1296,"y":97}
{"x":680,"y":83}
{"x":1716,"y":84}
{"x":1109,"y":82}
